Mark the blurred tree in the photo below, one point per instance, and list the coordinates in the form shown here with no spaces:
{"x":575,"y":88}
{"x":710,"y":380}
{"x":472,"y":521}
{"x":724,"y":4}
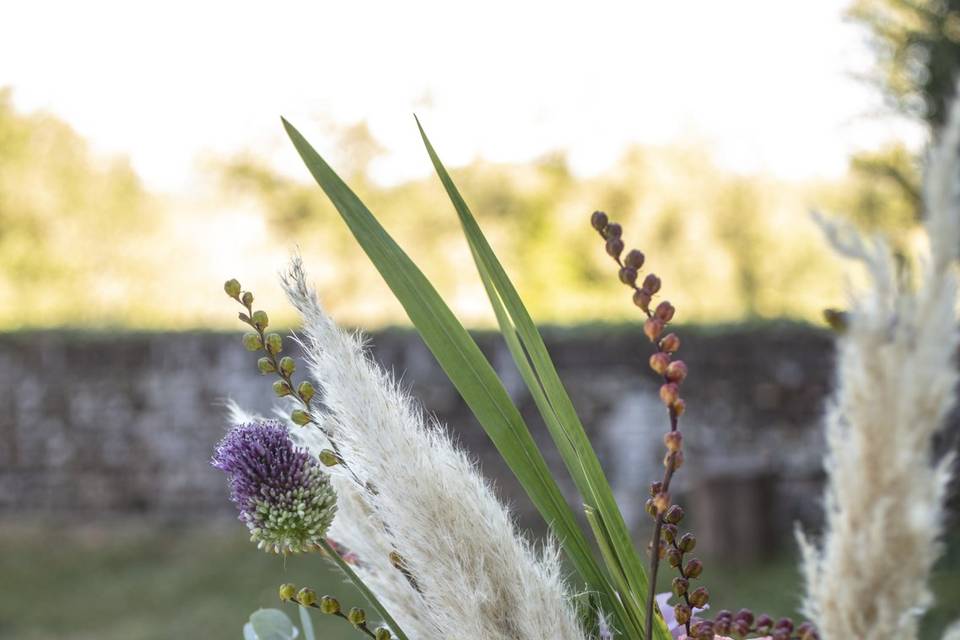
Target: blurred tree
{"x":917,"y":47}
{"x":68,"y":222}
{"x":917,"y":43}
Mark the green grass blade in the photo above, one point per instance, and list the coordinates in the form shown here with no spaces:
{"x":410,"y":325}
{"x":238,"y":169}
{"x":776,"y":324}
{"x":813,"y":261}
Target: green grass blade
{"x":462,"y":361}
{"x":533,"y":360}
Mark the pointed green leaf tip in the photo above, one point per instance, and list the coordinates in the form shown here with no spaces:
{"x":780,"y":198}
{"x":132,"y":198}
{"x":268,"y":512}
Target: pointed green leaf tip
{"x":538,"y":372}
{"x":462,"y":361}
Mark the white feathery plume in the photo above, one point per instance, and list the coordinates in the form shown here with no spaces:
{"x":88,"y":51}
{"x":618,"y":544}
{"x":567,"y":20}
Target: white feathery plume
{"x":895,"y":385}
{"x":471,"y":574}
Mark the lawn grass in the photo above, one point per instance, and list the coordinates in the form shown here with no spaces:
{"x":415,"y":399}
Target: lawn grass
{"x":136,"y":582}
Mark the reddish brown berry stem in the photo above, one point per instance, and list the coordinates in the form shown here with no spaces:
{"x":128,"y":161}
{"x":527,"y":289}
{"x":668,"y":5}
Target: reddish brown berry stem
{"x":673,"y":372}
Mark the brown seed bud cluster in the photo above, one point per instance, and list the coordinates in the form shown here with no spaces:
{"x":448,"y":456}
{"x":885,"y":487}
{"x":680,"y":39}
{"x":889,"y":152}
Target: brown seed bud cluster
{"x":744,"y":623}
{"x":670,"y":544}
{"x":667,"y":541}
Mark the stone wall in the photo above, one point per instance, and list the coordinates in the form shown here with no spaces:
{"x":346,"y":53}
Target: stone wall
{"x":94,"y":425}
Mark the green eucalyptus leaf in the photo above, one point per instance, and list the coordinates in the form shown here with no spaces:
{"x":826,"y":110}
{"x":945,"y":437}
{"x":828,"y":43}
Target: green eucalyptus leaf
{"x":272,"y":624}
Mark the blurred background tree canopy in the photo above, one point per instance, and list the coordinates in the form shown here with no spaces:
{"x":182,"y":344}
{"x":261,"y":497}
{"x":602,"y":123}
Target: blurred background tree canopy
{"x":917,"y":49}
{"x":84,"y":243}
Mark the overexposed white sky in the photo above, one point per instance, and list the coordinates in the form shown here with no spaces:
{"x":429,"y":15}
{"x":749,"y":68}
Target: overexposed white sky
{"x":767,"y":82}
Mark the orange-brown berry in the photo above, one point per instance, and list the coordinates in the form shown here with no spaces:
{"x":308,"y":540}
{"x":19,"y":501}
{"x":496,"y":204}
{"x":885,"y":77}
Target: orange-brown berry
{"x":634,"y":259}
{"x":652,"y":328}
{"x":673,"y":460}
{"x":651,"y":284}
{"x":676,"y":371}
{"x":674,"y":514}
{"x":641,"y":298}
{"x":699,"y":597}
{"x":614,"y":247}
{"x":669,"y":393}
{"x":662,"y":502}
{"x":679,"y":407}
{"x":598,"y":220}
{"x":673,"y":440}
{"x":670,"y":343}
{"x":693,"y":569}
{"x":659,"y":362}
{"x":665,"y":311}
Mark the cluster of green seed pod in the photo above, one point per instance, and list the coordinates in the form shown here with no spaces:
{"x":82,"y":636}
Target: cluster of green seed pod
{"x":328,"y":605}
{"x":271,"y":344}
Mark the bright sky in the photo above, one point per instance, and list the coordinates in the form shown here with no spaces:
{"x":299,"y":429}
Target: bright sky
{"x":768,"y":83}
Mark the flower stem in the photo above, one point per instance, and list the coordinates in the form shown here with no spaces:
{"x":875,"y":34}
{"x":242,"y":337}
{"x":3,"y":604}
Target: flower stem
{"x":362,"y":587}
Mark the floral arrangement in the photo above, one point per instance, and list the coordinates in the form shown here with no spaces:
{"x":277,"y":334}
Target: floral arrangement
{"x":352,"y":468}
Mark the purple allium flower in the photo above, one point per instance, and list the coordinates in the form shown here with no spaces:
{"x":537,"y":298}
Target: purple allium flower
{"x":283,"y":494}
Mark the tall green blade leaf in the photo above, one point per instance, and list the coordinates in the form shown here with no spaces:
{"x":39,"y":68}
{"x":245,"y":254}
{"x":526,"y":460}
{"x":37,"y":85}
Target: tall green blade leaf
{"x":533,"y":360}
{"x":462,"y":361}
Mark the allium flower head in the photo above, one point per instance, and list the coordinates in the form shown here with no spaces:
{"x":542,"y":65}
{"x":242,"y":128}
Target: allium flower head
{"x":283,"y":494}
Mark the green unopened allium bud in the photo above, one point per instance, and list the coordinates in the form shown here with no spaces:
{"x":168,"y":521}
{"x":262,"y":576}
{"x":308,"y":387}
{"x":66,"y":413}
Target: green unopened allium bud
{"x":232,"y":287}
{"x":252,"y":341}
{"x":357,"y":616}
{"x":300,"y":417}
{"x":260,"y":319}
{"x":287,"y":366}
{"x":282,"y":388}
{"x":282,"y":491}
{"x":305,"y":389}
{"x":307,"y":597}
{"x":274,"y":343}
{"x":329,"y":458}
{"x":687,"y":542}
{"x":329,"y":605}
{"x":383,"y":634}
{"x":265,"y":365}
{"x":247,"y":298}
{"x":287,"y":591}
